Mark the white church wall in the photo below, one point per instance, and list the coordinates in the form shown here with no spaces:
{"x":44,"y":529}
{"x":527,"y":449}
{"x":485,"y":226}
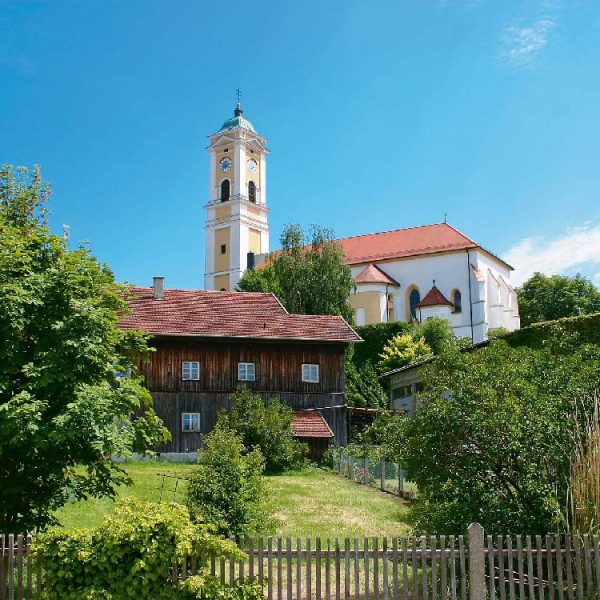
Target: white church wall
{"x":502,"y":303}
{"x":449,"y":271}
{"x":483,"y":305}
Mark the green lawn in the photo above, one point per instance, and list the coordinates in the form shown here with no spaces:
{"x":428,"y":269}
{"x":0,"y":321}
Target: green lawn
{"x":307,"y":503}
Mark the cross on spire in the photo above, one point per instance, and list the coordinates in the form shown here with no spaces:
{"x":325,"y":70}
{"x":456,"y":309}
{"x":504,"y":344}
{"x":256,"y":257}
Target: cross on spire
{"x":238,"y":109}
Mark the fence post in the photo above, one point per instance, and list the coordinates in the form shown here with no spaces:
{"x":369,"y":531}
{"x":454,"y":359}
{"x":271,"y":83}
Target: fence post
{"x":400,"y":480}
{"x":476,"y":562}
{"x":366,"y":466}
{"x":382,"y":474}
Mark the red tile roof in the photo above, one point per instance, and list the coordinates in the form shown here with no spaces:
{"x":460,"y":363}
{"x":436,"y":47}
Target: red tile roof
{"x":373,"y":274}
{"x":427,"y":239}
{"x":434,"y":298}
{"x":310,"y":424}
{"x":228,"y":314}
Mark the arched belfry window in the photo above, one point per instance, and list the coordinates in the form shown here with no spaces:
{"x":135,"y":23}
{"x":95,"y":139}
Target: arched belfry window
{"x":252,"y":191}
{"x":457,"y":301}
{"x":414,"y":299}
{"x":225,"y":189}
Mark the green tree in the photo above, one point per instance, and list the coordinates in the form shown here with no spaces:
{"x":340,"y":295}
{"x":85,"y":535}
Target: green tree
{"x":63,"y":413}
{"x":308,"y":274}
{"x":227,"y":489}
{"x":492,"y":437}
{"x":546,"y":298}
{"x":267,"y":426}
{"x":363,"y":388}
{"x":437,"y":334}
{"x":403,"y":350}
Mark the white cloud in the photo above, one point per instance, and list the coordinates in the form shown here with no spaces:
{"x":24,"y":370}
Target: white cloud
{"x":520,"y":44}
{"x":576,"y":248}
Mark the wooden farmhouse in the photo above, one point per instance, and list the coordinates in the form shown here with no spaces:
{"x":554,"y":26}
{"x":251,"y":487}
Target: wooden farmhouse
{"x":210,"y":342}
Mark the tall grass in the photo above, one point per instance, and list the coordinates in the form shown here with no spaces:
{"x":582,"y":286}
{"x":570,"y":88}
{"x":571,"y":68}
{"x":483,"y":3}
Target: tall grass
{"x":583,"y":508}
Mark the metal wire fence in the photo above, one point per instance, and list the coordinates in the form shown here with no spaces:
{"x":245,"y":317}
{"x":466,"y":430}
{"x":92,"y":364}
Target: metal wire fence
{"x":376,"y":472}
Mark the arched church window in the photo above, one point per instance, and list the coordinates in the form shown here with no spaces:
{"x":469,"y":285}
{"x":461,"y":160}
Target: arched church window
{"x":225,"y":189}
{"x":414,"y":299}
{"x":457,"y":301}
{"x":252,"y":191}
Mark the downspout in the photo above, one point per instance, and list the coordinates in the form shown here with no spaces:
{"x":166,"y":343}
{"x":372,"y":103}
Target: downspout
{"x":387,"y":314}
{"x":470,"y":298}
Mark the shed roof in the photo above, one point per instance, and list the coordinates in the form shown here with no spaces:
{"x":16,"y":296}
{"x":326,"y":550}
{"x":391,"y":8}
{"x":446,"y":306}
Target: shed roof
{"x":310,"y":424}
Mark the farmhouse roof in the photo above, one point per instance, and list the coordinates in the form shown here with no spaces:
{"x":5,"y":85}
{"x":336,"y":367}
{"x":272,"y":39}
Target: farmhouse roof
{"x":310,"y":424}
{"x":400,"y":243}
{"x":373,"y":274}
{"x":202,"y":313}
{"x":434,"y":298}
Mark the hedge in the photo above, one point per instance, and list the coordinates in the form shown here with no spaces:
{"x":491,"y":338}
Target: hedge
{"x":375,"y":337}
{"x":587,"y":327}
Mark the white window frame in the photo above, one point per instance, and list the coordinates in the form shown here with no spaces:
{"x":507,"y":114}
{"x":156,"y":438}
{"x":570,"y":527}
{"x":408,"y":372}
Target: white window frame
{"x":310,"y":373}
{"x":189,"y":366}
{"x":191,"y":415}
{"x":246,"y":371}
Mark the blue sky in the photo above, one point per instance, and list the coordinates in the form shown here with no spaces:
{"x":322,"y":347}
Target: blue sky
{"x":379,"y":115}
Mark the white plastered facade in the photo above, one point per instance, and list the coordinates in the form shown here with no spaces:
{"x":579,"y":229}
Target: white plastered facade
{"x":487,"y":299}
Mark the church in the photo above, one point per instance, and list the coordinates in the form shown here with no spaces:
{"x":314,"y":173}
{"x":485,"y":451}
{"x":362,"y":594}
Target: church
{"x":401,"y":275}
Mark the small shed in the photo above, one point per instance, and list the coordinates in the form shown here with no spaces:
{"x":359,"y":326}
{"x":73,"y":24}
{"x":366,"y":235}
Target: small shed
{"x":310,"y":427}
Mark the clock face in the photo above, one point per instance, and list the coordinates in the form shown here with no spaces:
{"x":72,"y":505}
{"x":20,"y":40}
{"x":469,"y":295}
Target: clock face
{"x":225,"y":164}
{"x":252,"y":165}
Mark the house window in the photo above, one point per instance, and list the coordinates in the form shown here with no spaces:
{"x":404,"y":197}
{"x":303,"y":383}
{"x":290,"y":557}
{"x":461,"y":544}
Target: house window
{"x":190,"y":421}
{"x":246,"y":371}
{"x":457,"y":301}
{"x":402,"y":392}
{"x":252,"y":191}
{"x":414,"y":299}
{"x":223,"y":248}
{"x":225,"y":189}
{"x":310,"y":373}
{"x":190,"y":370}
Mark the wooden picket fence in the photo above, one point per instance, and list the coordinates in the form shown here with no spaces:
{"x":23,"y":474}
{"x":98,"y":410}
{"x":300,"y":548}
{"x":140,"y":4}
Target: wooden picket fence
{"x":473,"y":567}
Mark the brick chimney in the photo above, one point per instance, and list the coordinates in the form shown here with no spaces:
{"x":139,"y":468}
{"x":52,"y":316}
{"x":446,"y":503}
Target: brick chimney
{"x":159,"y":284}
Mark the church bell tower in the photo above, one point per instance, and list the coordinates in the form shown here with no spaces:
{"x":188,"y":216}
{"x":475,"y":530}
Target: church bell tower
{"x":236,"y":227}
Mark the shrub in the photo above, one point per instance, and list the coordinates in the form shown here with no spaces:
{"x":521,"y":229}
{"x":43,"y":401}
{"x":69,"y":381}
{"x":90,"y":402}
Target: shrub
{"x":227,"y":489}
{"x":363,"y":388}
{"x":267,"y":427}
{"x":375,"y":337}
{"x":403,"y":350}
{"x":436,"y":332}
{"x":495,"y":333}
{"x":207,"y":587}
{"x":131,"y":555}
{"x":493,"y":434}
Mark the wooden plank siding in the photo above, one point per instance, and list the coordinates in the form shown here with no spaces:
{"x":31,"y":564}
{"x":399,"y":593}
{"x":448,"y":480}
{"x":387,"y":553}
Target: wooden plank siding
{"x":278,"y":375}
